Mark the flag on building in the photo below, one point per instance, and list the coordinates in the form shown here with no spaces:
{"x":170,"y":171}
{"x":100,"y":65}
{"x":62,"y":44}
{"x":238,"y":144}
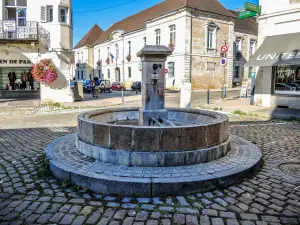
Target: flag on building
{"x":112,"y":57}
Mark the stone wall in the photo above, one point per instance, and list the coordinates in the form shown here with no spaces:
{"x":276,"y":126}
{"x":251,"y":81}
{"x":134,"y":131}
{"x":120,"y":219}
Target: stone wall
{"x":201,"y":77}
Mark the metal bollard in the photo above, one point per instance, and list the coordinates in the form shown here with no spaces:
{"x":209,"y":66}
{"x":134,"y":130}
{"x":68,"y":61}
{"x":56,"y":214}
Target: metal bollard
{"x":122,"y":94}
{"x":225,"y":92}
{"x":208,"y":97}
{"x":222,"y":92}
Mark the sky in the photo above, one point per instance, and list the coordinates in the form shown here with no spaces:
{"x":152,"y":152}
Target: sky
{"x":83,"y":22}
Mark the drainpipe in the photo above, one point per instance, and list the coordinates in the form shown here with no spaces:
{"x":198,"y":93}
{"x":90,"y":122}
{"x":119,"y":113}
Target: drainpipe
{"x":191,"y":45}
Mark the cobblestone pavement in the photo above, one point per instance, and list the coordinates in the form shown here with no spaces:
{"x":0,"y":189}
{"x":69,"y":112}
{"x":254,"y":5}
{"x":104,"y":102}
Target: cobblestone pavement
{"x":270,"y":197}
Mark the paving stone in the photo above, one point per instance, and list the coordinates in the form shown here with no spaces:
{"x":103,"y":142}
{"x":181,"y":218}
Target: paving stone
{"x":65,"y":208}
{"x":67,"y":219}
{"x":148,"y":207}
{"x":166,"y":222}
{"x":86,"y":210}
{"x":129,"y":206}
{"x":25,"y":214}
{"x":120,"y":214}
{"x":44,"y":218}
{"x":191,"y":220}
{"x":57,"y":217}
{"x":113,"y":204}
{"x":232,"y":222}
{"x":32,"y":218}
{"x":165,"y":209}
{"x":141,"y":216}
{"x":93,"y":218}
{"x":77,"y":200}
{"x":187,"y":211}
{"x":210,"y":212}
{"x":179,"y":219}
{"x":152,"y":222}
{"x":79,"y":220}
{"x":270,"y":218}
{"x":229,"y":215}
{"x":217,"y":221}
{"x":182,"y":201}
{"x":288,"y":220}
{"x":248,"y":216}
{"x":105,"y":221}
{"x":34,"y":205}
{"x":247,"y":222}
{"x":22,"y":206}
{"x":127,"y":221}
{"x":42,"y":208}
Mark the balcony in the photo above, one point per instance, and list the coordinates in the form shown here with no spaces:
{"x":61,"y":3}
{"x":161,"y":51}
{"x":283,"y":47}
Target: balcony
{"x":30,"y":32}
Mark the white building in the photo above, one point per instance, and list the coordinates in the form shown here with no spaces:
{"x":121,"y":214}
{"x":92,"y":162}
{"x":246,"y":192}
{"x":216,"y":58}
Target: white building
{"x":278,"y":56}
{"x":31,"y":30}
{"x":196,"y":30}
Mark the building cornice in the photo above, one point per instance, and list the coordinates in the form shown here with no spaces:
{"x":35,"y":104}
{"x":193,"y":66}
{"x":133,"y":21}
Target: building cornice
{"x":275,"y":14}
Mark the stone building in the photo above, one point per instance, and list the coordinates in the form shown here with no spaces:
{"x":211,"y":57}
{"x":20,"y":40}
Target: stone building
{"x":245,"y":41}
{"x":31,"y":30}
{"x":84,"y":54}
{"x":194,"y":30}
{"x":278,"y":57}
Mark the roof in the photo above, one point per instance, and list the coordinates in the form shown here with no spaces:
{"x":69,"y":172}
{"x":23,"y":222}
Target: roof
{"x":90,"y":38}
{"x":137,"y":21}
{"x":248,"y":26}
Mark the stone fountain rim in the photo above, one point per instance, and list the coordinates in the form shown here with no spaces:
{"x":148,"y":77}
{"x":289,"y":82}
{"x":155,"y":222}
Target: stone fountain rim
{"x":87,"y":115}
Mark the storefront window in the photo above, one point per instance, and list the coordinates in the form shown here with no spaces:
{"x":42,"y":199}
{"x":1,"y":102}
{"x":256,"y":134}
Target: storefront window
{"x":287,"y":79}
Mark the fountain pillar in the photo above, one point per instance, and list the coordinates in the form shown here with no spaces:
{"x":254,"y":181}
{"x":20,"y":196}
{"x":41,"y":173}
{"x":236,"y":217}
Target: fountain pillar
{"x":153,"y":59}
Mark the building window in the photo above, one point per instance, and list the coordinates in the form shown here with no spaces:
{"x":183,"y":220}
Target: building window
{"x":117,"y":51}
{"x":210,"y":66}
{"x":108,"y":73}
{"x":287,"y":79}
{"x":108,"y":52}
{"x":82,"y":75}
{"x":238,"y":45}
{"x":171,"y":66}
{"x":16,"y":10}
{"x":78,"y":75}
{"x":173,"y":35}
{"x":129,"y":72}
{"x":211,"y":37}
{"x":129,"y":47}
{"x":252,"y":47}
{"x":157,"y":36}
{"x":63,"y":14}
{"x":49,"y":13}
{"x":145,"y":41}
{"x":236,"y":72}
{"x":250,"y":72}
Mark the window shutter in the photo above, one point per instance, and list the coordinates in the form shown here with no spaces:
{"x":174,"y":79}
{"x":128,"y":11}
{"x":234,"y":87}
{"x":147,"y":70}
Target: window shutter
{"x":43,"y":14}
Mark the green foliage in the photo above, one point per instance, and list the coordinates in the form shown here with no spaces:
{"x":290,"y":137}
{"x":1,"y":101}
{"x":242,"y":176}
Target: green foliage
{"x":239,"y":112}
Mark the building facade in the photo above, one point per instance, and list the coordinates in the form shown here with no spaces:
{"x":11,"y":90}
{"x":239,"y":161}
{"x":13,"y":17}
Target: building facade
{"x":31,"y":30}
{"x":278,"y":57}
{"x":194,"y":30}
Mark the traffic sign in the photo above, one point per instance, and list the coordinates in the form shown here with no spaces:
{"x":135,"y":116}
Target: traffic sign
{"x":223,"y":61}
{"x":246,"y":14}
{"x":252,"y":7}
{"x":224,"y":48}
{"x":166,"y":71}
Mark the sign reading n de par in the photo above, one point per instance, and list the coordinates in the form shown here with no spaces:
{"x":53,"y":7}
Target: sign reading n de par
{"x":14,"y":61}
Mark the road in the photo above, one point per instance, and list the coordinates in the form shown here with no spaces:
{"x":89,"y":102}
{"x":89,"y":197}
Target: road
{"x":172,"y":97}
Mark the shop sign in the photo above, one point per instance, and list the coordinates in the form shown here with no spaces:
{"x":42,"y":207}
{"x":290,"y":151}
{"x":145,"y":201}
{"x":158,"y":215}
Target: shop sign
{"x":281,"y":56}
{"x":14,"y":62}
{"x":9,"y":25}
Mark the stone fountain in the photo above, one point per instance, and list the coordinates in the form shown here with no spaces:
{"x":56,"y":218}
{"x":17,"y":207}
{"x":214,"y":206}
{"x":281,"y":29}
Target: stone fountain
{"x":152,"y":150}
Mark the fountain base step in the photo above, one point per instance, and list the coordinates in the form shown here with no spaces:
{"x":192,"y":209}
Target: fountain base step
{"x":67,"y":163}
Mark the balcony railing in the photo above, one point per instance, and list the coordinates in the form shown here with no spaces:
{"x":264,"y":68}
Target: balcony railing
{"x":31,"y":31}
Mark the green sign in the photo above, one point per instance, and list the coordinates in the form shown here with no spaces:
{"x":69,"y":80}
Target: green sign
{"x":252,"y":7}
{"x":246,"y":14}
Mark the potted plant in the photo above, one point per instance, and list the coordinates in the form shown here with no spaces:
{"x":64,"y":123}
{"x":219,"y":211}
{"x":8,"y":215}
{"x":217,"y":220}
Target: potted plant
{"x":44,"y":72}
{"x":171,"y":46}
{"x":128,"y":57}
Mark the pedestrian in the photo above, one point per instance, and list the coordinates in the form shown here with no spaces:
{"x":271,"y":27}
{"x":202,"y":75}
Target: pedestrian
{"x":92,"y":84}
{"x":97,"y":86}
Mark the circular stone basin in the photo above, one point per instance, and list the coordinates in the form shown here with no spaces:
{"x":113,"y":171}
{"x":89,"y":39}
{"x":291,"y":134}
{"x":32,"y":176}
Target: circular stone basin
{"x":192,"y":137}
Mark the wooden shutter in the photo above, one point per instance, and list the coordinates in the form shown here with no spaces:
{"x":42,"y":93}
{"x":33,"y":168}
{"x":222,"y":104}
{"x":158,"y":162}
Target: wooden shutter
{"x":43,"y":14}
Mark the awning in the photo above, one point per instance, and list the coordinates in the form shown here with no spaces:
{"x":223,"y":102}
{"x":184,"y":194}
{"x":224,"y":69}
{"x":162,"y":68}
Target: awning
{"x":277,"y":50}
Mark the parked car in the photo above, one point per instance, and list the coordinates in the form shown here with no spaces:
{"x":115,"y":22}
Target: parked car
{"x":136,"y":86}
{"x":118,"y":86}
{"x":105,"y":85}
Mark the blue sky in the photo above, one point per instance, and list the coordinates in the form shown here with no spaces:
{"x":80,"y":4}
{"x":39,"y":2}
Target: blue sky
{"x":105,"y":18}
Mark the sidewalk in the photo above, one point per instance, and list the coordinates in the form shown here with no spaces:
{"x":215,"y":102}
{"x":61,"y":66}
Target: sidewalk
{"x":242,"y":105}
